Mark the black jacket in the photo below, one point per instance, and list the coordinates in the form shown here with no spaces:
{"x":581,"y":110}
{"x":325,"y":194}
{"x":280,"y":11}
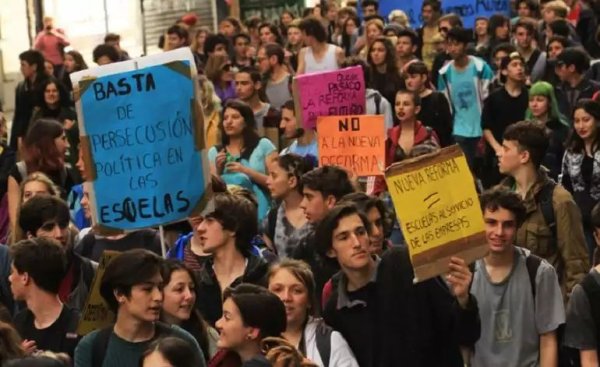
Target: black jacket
{"x":210,"y":300}
{"x":418,"y":325}
{"x":567,"y":97}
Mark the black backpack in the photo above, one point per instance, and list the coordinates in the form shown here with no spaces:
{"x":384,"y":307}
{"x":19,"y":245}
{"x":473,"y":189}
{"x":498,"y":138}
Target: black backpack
{"x":100,"y":344}
{"x":323,"y":339}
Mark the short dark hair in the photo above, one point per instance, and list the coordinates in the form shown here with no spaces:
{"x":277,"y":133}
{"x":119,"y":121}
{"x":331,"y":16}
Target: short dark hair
{"x":529,"y":24}
{"x":503,"y":47}
{"x":417,"y":67}
{"x":295,"y":165}
{"x":435,"y":5}
{"x":239,"y":215}
{"x":259,"y":308}
{"x":366,"y":3}
{"x":502,"y":197}
{"x":459,"y":35}
{"x":179,"y":31}
{"x":365,"y":202}
{"x":560,"y":39}
{"x":530,"y":136}
{"x":324,"y":231}
{"x":176,"y":351}
{"x":240,"y":35}
{"x":313,"y":27}
{"x":407,"y":32}
{"x":574,"y":56}
{"x":252,"y":71}
{"x":275,"y":49}
{"x":43,"y":259}
{"x":328,"y":180}
{"x":106,"y":50}
{"x":560,"y":27}
{"x":112,"y":37}
{"x":213,"y":40}
{"x":33,"y":57}
{"x":126,"y":270}
{"x":41,"y":209}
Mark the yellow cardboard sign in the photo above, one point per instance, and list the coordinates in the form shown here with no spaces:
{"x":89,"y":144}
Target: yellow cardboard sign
{"x":96,"y":314}
{"x":438,"y":209}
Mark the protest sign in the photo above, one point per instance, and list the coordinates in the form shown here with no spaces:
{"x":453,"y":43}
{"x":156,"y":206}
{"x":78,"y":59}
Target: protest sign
{"x":143,"y":141}
{"x":468,"y":10}
{"x":438,"y":209}
{"x":353,"y":142}
{"x":96,"y":314}
{"x":332,"y":93}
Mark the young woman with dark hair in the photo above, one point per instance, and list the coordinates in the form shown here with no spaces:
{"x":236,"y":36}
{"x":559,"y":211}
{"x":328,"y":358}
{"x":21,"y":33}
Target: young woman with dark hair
{"x":286,"y":225}
{"x":55,"y":104}
{"x":178,"y":308}
{"x":250,"y":314}
{"x":44,"y":150}
{"x":349,"y":35}
{"x":241,"y":157}
{"x":498,"y":32}
{"x":580,"y":167}
{"x":385,"y":77}
{"x":269,"y":33}
{"x":73,"y":62}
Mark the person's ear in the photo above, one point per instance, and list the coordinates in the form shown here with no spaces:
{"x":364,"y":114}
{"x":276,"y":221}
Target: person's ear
{"x":417,"y":110}
{"x":258,"y":85}
{"x":330,"y":201}
{"x":253,"y":334}
{"x":504,"y":72}
{"x":331,"y":253}
{"x":525,"y":156}
{"x":293,"y":181}
{"x":29,"y":235}
{"x":120,"y":297}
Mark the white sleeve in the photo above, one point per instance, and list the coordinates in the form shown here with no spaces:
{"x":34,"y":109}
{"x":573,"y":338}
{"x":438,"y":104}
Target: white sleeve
{"x":341,"y":354}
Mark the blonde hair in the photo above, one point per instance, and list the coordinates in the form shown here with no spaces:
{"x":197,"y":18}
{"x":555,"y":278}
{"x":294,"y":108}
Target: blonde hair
{"x":559,"y":7}
{"x":40,"y":177}
{"x":214,"y":67}
{"x":282,"y":353}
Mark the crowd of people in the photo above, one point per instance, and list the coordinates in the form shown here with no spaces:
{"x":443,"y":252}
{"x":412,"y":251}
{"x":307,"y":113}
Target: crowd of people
{"x":305,"y":265}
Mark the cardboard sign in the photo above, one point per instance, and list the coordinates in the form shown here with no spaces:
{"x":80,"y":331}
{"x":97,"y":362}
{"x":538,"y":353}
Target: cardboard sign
{"x":354,"y":142}
{"x":143,"y":141}
{"x":96,"y":314}
{"x":468,"y":10}
{"x":438,"y":209}
{"x":333,"y":93}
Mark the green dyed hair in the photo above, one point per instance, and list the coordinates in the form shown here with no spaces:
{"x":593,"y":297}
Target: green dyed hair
{"x":547,"y":90}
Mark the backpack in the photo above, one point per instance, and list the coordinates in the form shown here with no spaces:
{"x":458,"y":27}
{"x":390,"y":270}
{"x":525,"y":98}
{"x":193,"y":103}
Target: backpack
{"x":544,"y":197}
{"x":323,"y":339}
{"x":271,"y":222}
{"x":100,"y":343}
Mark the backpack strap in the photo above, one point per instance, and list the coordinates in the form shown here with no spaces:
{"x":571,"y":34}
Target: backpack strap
{"x":100,"y":345}
{"x":592,"y":291}
{"x":377,"y":97}
{"x":532,"y":262}
{"x":547,"y":207}
{"x":323,"y":338}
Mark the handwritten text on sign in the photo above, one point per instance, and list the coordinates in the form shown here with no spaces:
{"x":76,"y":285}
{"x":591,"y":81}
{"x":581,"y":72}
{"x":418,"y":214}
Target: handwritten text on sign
{"x":468,"y":10}
{"x":436,"y":204}
{"x":141,"y":133}
{"x":354,"y":142}
{"x":334,"y":93}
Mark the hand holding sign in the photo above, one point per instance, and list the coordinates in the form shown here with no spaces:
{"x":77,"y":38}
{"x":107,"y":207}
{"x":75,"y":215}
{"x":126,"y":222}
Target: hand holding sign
{"x":438,"y":209}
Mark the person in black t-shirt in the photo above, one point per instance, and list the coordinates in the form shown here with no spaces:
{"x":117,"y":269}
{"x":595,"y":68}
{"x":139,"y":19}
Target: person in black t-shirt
{"x":39,"y":264}
{"x":502,"y":108}
{"x":93,"y":245}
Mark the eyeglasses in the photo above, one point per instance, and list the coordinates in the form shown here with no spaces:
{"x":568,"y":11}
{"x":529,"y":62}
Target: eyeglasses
{"x":443,"y":29}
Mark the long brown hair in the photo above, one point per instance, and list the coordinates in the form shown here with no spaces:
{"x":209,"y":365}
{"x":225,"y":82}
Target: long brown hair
{"x":39,"y":149}
{"x":10,"y":343}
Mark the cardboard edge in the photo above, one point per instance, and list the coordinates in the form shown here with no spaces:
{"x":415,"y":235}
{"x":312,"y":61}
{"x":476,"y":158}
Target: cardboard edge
{"x":440,"y":266}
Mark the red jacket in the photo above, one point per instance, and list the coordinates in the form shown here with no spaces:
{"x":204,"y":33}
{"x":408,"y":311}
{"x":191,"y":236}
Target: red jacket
{"x":425,"y":141}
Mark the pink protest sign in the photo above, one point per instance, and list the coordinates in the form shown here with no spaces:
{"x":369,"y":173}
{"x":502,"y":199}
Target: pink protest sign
{"x":333,"y":93}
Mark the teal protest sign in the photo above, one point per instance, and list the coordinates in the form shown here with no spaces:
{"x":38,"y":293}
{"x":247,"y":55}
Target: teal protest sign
{"x":142,"y":142}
